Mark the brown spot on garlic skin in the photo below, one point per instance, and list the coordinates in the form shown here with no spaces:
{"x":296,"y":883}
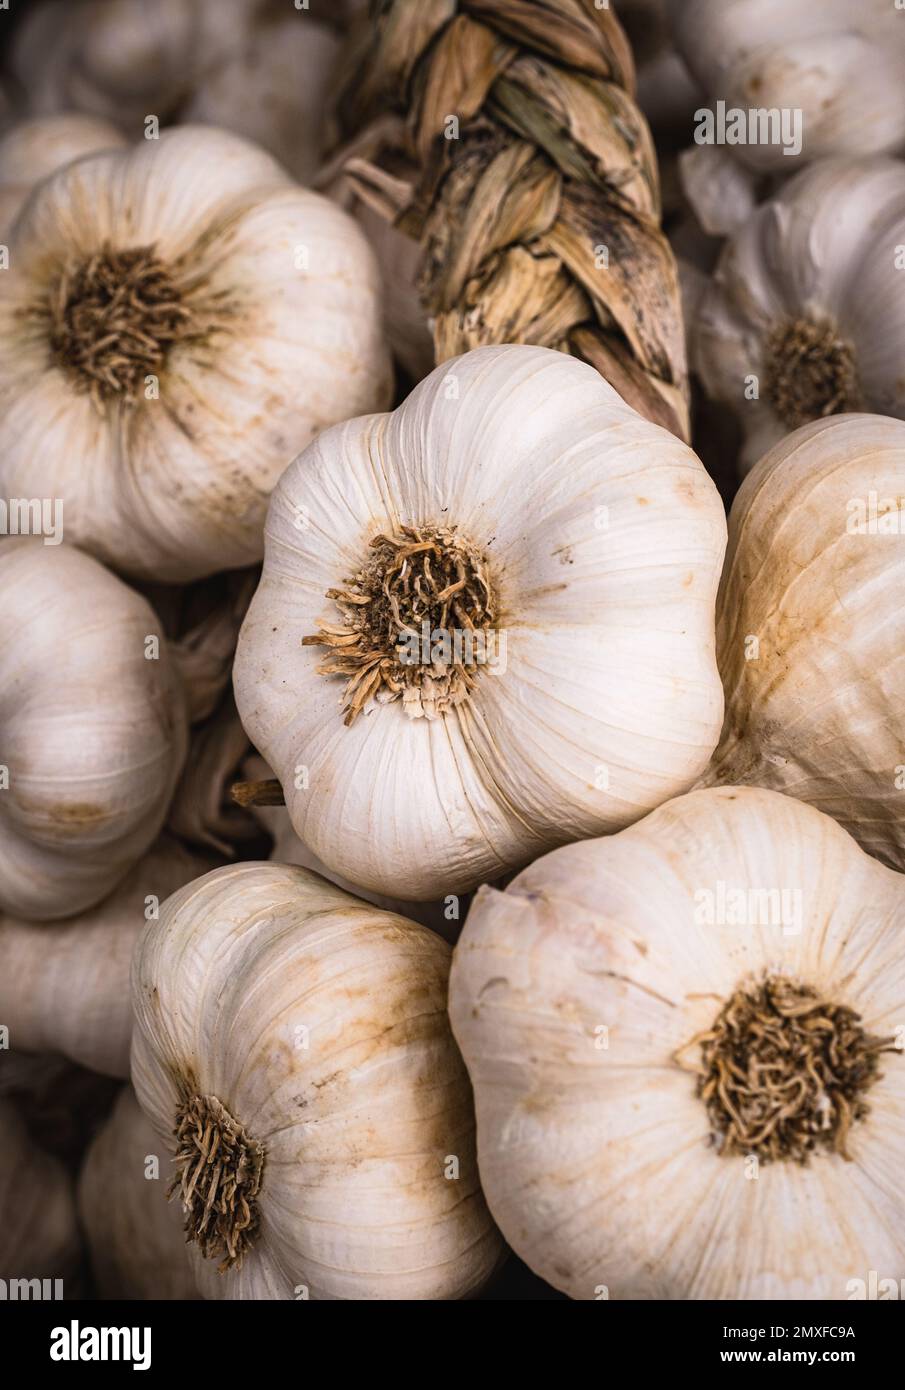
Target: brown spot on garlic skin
{"x":70,"y":815}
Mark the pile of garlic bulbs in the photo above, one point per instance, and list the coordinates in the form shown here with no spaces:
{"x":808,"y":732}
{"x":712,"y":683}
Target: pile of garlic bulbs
{"x":840,"y":64}
{"x":440,"y":854}
{"x":257,"y":67}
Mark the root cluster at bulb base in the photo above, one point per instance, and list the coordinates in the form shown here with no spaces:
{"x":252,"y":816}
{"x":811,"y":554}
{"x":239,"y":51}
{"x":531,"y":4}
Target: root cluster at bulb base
{"x":426,"y":579}
{"x":218,"y":1178}
{"x":810,"y":372}
{"x":112,"y":320}
{"x":783,"y":1073}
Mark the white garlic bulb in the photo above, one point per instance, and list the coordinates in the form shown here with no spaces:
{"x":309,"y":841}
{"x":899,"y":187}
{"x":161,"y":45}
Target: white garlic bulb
{"x":804,"y":316}
{"x":275,"y":89}
{"x":686,"y":1046}
{"x":134,"y":1235}
{"x":39,"y":1236}
{"x":810,"y":632}
{"x":840,"y":63}
{"x":35,"y":148}
{"x":304,"y":1035}
{"x":177,"y":321}
{"x":92,"y":729}
{"x":484,"y":625}
{"x":123,"y":59}
{"x":64,"y":986}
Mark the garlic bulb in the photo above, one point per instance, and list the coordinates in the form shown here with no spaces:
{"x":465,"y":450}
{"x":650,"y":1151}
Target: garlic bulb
{"x":511,"y":580}
{"x":275,"y":90}
{"x":304,"y":1034}
{"x":123,"y":59}
{"x":840,"y":64}
{"x":134,"y":1234}
{"x":92,"y":729}
{"x":810,"y":641}
{"x":64,"y":988}
{"x":686,"y":1048}
{"x":35,"y":148}
{"x":176,"y":323}
{"x":38,"y":1233}
{"x":804,"y":319}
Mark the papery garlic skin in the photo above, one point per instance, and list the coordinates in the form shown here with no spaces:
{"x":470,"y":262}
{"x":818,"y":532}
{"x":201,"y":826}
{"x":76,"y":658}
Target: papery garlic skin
{"x":92,"y":729}
{"x":134,"y":1235}
{"x":39,"y":1236}
{"x":841,"y":64}
{"x":810,"y":629}
{"x":35,"y":148}
{"x":603,"y":537}
{"x":824,"y":254}
{"x":277,"y":336}
{"x":289,"y":849}
{"x":320,"y":1024}
{"x":570,"y":996}
{"x":722,"y":193}
{"x":64,"y":986}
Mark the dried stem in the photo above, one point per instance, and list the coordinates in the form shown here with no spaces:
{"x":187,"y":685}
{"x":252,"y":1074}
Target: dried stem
{"x":267,"y":793}
{"x":422,"y":583}
{"x":810,"y":372}
{"x":532,"y":184}
{"x":113,"y":320}
{"x":219,"y":1169}
{"x":783,"y":1072}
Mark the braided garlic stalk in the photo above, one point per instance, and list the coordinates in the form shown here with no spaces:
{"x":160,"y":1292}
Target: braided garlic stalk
{"x":503,"y":136}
